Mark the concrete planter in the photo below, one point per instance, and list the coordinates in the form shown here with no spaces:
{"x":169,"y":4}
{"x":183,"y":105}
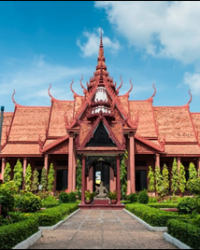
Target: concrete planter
{"x":29,"y":242}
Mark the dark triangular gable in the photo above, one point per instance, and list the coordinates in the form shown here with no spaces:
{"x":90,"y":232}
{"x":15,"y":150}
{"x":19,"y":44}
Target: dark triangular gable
{"x":101,"y":138}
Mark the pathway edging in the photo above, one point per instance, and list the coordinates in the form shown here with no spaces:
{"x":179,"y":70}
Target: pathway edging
{"x":175,"y":241}
{"x":59,"y":223}
{"x":29,"y":242}
{"x":149,"y":227}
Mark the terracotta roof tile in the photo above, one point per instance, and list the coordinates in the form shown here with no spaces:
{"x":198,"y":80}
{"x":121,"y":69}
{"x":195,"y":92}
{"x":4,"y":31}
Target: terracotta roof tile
{"x":57,"y":122}
{"x":124,"y":103}
{"x":79,"y":101}
{"x":19,"y":149}
{"x":182,"y":149}
{"x":84,"y":130}
{"x":196,"y":121}
{"x":7,"y":119}
{"x":117,"y":129}
{"x":174,"y":124}
{"x":146,"y":125}
{"x":29,"y":123}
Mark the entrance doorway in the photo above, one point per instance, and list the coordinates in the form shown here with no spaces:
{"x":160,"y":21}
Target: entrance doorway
{"x":102,"y":173}
{"x":62,"y":180}
{"x":141,"y":180}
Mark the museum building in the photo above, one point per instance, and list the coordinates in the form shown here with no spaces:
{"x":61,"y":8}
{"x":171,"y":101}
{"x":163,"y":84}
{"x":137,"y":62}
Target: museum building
{"x":97,"y":128}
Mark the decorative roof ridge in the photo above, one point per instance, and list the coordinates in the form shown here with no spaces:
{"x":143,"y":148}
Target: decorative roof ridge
{"x":195,"y":113}
{"x":117,"y":91}
{"x":53,"y":99}
{"x":16,"y":104}
{"x":75,"y":94}
{"x":149,"y":143}
{"x":52,"y":144}
{"x":127,"y":94}
{"x":150,"y":99}
{"x":84,"y":89}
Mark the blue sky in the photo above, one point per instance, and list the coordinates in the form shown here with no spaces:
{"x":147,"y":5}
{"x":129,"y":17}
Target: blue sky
{"x":55,"y":42}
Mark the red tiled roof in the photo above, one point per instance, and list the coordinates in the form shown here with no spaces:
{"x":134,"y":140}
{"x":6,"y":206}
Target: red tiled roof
{"x":174,"y":123}
{"x":117,"y":129}
{"x":60,"y":109}
{"x":29,"y":123}
{"x":146,"y":125}
{"x":7,"y":119}
{"x":20,"y":149}
{"x":182,"y":149}
{"x":196,"y":121}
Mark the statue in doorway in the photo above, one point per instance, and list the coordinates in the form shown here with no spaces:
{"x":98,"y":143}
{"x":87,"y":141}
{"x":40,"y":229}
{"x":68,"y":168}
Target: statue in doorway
{"x":101,"y":192}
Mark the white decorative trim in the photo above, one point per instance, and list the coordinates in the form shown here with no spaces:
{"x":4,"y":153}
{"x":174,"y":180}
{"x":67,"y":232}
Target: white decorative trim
{"x":150,"y":228}
{"x":175,"y":241}
{"x":29,"y":242}
{"x":59,"y":223}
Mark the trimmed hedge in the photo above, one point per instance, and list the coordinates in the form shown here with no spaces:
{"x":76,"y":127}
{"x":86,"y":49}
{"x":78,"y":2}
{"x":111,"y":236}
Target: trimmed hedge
{"x":13,"y":234}
{"x":52,"y":216}
{"x":163,"y":205}
{"x":152,"y":216}
{"x":185,"y":232}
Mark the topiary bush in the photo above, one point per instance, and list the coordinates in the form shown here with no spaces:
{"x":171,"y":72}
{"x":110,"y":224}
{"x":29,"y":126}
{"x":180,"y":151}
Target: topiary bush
{"x":29,"y":202}
{"x":72,"y":197}
{"x":49,"y":202}
{"x":64,"y":197}
{"x":7,"y":200}
{"x":133,"y":198}
{"x":143,"y":197}
{"x":189,"y":206}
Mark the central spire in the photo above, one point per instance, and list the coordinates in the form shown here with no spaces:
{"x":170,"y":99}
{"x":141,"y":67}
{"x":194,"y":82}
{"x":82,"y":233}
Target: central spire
{"x":101,"y":67}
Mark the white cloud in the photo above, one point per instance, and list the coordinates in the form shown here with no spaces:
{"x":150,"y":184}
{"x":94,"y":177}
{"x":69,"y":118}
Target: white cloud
{"x":31,"y":80}
{"x":193,"y":80}
{"x":161,"y":28}
{"x":90,"y":48}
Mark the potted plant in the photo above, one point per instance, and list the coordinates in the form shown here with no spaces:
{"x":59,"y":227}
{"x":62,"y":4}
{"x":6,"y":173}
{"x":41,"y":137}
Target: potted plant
{"x":113,"y":197}
{"x":88,"y":197}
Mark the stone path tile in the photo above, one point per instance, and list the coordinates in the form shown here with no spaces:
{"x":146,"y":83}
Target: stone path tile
{"x":99,"y":229}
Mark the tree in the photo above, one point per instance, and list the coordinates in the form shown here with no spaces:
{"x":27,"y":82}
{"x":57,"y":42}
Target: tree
{"x":192,"y":172}
{"x":27,"y":178}
{"x":158,"y":179}
{"x":51,"y":178}
{"x":18,"y":174}
{"x":35,"y":182}
{"x":123,"y":174}
{"x":78,"y":175}
{"x":44,"y":179}
{"x":175,"y":177}
{"x":182,"y":179}
{"x":165,"y":182}
{"x":6,"y":175}
{"x":151,"y":177}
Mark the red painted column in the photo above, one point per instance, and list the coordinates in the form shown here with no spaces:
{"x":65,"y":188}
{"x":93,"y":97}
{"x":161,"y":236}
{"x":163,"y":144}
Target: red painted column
{"x":24,"y":170}
{"x":112,"y":180}
{"x":46,"y":162}
{"x":179,"y":163}
{"x":128,"y":169}
{"x":132,"y":162}
{"x":74,"y":171}
{"x":3,"y":167}
{"x":157,"y":160}
{"x":83,"y":181}
{"x":70,"y":162}
{"x":118,"y":180}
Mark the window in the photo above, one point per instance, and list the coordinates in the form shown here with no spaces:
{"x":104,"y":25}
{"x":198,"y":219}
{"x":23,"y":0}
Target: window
{"x":39,"y":163}
{"x":62,"y":163}
{"x":141,"y":180}
{"x":140,"y":164}
{"x":62,"y":180}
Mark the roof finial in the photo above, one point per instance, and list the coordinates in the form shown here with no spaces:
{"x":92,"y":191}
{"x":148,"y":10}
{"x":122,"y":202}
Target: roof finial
{"x":101,"y":39}
{"x":13,"y":98}
{"x":190,"y":97}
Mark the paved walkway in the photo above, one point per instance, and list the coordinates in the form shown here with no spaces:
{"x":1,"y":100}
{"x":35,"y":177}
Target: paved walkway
{"x":97,"y":229}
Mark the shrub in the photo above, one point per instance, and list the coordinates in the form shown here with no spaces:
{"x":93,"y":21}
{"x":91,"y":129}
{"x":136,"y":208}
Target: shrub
{"x":193,"y":186}
{"x":153,"y":216}
{"x":189,"y":206}
{"x":35,"y":182}
{"x":27,"y":178}
{"x":153,"y":200}
{"x":151,"y":178}
{"x":64,"y":197}
{"x":162,"y":205}
{"x":29,"y":202}
{"x":7,"y":200}
{"x":175,"y":177}
{"x":185,"y":232}
{"x":51,"y":178}
{"x":79,"y":175}
{"x":6,"y":175}
{"x":72,"y":197}
{"x":133,"y":198}
{"x":18,"y":174}
{"x":43,"y":195}
{"x":44,"y":179}
{"x":52,"y":216}
{"x":78,"y":194}
{"x":49,"y":202}
{"x":13,"y":234}
{"x":143,"y":197}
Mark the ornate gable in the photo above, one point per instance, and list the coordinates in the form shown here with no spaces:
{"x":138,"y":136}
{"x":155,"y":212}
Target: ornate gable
{"x":62,"y":148}
{"x":141,"y":148}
